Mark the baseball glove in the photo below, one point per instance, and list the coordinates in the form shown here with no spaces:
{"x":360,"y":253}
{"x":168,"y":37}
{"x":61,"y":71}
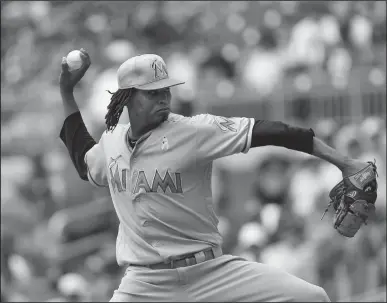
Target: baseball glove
{"x":354,"y":200}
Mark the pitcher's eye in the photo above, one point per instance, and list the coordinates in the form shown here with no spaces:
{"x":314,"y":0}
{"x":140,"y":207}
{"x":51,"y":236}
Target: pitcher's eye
{"x":158,"y":91}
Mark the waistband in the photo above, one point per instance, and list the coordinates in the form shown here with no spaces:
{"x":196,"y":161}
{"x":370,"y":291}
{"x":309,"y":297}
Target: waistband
{"x":189,"y":259}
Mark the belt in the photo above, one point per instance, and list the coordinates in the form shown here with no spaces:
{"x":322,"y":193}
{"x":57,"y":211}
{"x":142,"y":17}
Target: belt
{"x":188,"y":260}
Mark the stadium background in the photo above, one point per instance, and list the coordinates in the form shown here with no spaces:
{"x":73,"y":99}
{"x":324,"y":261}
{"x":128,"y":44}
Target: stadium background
{"x":318,"y":64}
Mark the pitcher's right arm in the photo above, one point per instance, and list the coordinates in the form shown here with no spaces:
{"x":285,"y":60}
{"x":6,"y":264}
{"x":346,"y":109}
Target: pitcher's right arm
{"x":86,"y":155}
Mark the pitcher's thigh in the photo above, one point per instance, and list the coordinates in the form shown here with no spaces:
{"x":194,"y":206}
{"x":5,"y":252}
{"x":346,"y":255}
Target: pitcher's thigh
{"x":260,"y":282}
{"x":141,"y":284}
{"x":238,"y":280}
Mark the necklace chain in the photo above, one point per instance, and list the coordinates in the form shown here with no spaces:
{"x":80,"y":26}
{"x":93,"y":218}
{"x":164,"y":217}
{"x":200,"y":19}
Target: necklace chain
{"x":131,"y":142}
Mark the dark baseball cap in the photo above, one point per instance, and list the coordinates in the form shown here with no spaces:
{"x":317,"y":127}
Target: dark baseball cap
{"x":145,"y":72}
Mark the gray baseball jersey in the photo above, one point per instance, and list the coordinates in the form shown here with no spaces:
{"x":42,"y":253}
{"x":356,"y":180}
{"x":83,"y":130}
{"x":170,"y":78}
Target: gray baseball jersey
{"x":161,"y":189}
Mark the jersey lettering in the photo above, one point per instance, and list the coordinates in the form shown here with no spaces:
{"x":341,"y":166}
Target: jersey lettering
{"x":141,"y":182}
{"x":167,"y":182}
{"x":164,"y":183}
{"x":115,"y":179}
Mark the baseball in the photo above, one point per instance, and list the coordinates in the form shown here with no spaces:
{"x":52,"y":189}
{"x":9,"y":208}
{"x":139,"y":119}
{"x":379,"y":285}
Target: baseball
{"x":74,"y":60}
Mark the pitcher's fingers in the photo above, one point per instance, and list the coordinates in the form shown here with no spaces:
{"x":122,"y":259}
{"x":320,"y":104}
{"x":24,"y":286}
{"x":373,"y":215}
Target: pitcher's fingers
{"x":85,"y":65}
{"x":65,"y":67}
{"x":85,"y":55}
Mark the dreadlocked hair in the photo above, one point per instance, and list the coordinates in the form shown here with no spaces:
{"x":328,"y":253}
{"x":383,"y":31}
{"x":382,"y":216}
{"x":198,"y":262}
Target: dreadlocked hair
{"x":117,"y":102}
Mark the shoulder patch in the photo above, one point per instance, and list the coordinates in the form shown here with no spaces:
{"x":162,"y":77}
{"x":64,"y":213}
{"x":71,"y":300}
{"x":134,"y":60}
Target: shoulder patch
{"x":225,"y":124}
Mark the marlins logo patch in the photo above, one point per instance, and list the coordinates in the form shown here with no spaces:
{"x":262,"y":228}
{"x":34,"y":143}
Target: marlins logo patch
{"x":159,"y":69}
{"x":225,"y":124}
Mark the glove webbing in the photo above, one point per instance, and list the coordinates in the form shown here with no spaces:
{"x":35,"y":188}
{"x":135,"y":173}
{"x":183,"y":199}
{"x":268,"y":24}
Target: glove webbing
{"x":340,"y":190}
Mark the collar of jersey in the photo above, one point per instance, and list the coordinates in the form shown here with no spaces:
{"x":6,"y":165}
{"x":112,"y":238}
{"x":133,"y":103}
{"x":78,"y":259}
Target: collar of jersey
{"x":142,"y":138}
{"x":171,"y":117}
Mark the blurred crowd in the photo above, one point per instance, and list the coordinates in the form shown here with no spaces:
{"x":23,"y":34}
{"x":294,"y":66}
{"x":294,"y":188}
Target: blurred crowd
{"x":315,"y":63}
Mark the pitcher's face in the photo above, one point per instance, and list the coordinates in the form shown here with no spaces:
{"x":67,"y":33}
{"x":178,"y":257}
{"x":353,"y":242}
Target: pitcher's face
{"x":152,"y":106}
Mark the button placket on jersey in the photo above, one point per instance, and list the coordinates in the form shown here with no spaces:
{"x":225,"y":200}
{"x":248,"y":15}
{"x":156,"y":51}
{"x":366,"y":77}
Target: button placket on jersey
{"x":133,"y":183}
{"x":133,"y":157}
{"x":133,"y":169}
{"x":133,"y":160}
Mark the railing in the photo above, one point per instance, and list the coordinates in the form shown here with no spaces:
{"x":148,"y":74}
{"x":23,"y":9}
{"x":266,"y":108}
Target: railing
{"x":349,"y":106}
{"x":343,"y":107}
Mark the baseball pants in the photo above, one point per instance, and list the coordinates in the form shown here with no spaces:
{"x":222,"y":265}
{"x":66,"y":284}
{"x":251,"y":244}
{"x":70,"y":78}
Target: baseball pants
{"x":224,"y":279}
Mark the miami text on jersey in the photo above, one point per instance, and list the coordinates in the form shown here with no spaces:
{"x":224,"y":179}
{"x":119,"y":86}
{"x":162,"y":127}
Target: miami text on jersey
{"x":158,"y":182}
{"x":140,"y":181}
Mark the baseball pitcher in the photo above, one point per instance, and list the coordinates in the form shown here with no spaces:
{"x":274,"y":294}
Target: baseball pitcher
{"x":158,"y":170}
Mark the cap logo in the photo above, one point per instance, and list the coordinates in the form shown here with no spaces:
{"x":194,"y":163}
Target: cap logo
{"x":160,"y":71}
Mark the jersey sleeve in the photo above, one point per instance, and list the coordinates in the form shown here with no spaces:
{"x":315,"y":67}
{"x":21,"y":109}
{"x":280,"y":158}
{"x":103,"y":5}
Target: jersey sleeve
{"x":96,"y":165}
{"x":218,"y":136}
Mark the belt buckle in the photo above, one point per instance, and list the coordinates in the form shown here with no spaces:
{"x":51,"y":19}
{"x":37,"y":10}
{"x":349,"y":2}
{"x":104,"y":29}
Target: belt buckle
{"x":200,"y":257}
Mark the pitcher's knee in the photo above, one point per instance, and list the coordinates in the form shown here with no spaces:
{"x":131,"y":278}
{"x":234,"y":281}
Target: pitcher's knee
{"x":322,"y":296}
{"x":317,"y":294}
